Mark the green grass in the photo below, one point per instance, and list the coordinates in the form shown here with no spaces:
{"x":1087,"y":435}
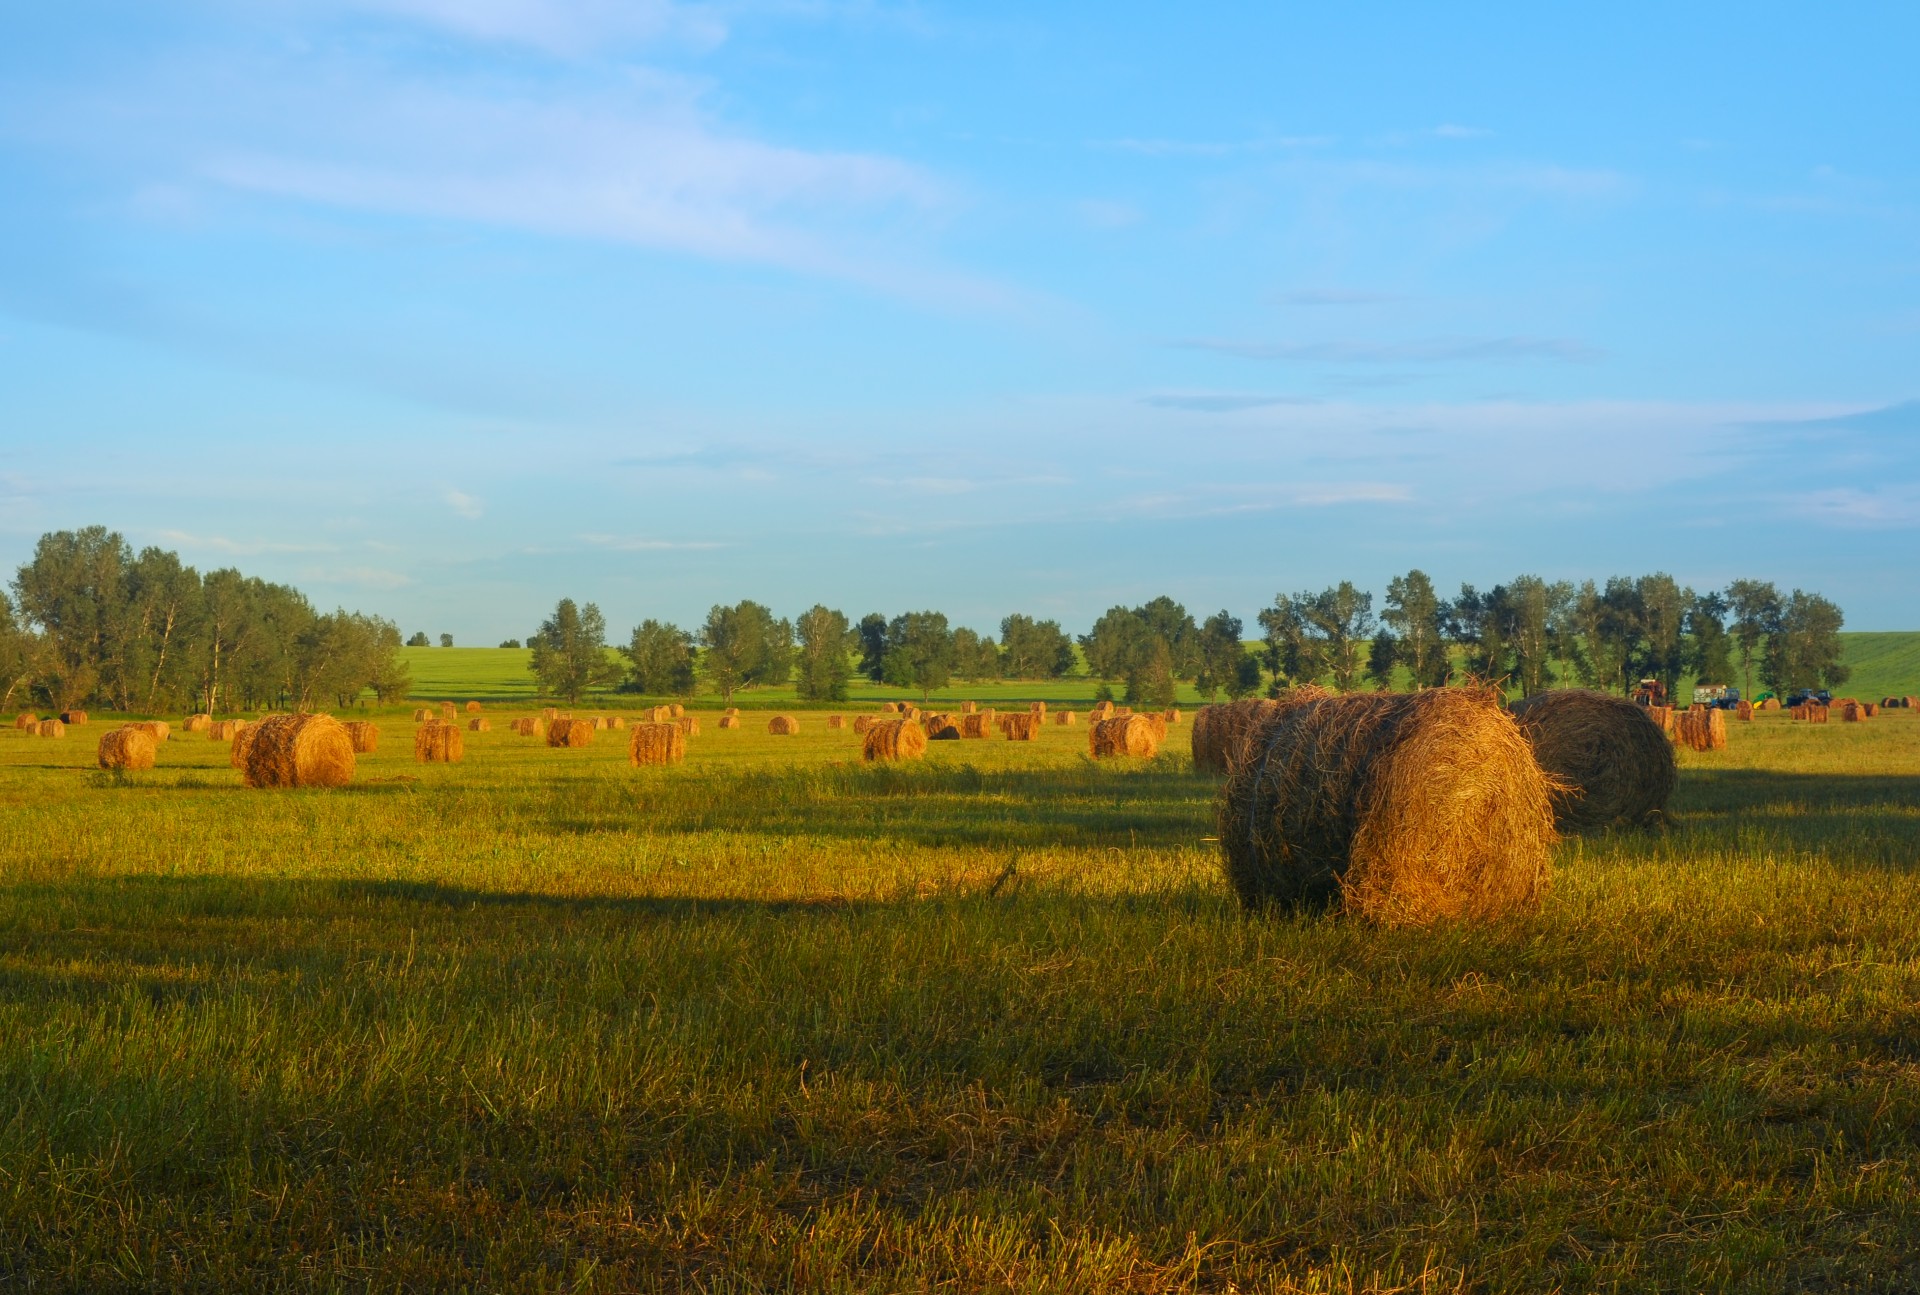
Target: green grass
{"x":773,"y":1020}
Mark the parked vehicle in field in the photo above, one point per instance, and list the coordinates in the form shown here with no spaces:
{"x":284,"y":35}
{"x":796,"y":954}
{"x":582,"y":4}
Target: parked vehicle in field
{"x":1808,"y":696}
{"x":1651,"y":692}
{"x":1719,"y":696}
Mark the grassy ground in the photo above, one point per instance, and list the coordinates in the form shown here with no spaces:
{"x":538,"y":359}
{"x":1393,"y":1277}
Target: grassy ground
{"x":773,"y":1020}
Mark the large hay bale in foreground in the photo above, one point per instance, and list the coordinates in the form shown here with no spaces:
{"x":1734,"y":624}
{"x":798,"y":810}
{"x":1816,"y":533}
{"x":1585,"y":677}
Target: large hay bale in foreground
{"x":1702,"y":730}
{"x":473,"y":708}
{"x":1219,"y":732}
{"x":363,"y":733}
{"x":1125,"y":735}
{"x":570,"y":732}
{"x":689,"y":725}
{"x":481,"y":725}
{"x":979,"y":724}
{"x":73,"y":718}
{"x":783,"y":726}
{"x":900,"y":739}
{"x":1403,"y":808}
{"x":50,"y":728}
{"x":224,"y":730}
{"x":126,"y":748}
{"x":439,"y":743}
{"x":656,"y":743}
{"x":1021,"y":726}
{"x":242,"y":737}
{"x":297,"y":751}
{"x":733,"y":721}
{"x":1615,"y":765}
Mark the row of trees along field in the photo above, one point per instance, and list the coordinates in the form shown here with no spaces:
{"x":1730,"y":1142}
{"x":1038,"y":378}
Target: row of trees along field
{"x":1530,"y":632}
{"x":92,"y":623}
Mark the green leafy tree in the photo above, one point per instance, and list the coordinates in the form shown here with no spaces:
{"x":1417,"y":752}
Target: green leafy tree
{"x":446,"y":640}
{"x":919,"y":652}
{"x":73,"y":592}
{"x":1537,"y":612}
{"x":1804,"y":650}
{"x":825,"y":644}
{"x":419,"y":639}
{"x":1755,"y":605}
{"x":872,"y":633}
{"x":1151,"y":682}
{"x":1311,"y":635}
{"x":1709,"y":648}
{"x":745,"y":647}
{"x":1032,"y":649}
{"x":19,"y":655}
{"x":975,"y":656}
{"x":1126,"y":643}
{"x":570,"y":655}
{"x":659,"y":660}
{"x":1114,"y":643}
{"x":1602,"y":625}
{"x":1246,"y":677}
{"x":1289,"y":649}
{"x":1220,"y":653}
{"x":1383,"y":658}
{"x":1663,"y":607}
{"x":1418,"y":617}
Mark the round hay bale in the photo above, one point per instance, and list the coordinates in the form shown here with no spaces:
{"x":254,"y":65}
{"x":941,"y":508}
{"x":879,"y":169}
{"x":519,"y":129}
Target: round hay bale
{"x":1661,"y":715}
{"x":679,"y":711}
{"x":237,"y":756}
{"x":1613,"y":764}
{"x":1065,"y":717}
{"x":783,"y":726}
{"x":836,"y":721}
{"x":126,"y":748}
{"x":1743,"y":711}
{"x":1403,"y":808}
{"x":570,"y":732}
{"x":473,"y":708}
{"x":968,"y":707}
{"x":890,"y":707}
{"x":659,"y":714}
{"x":423,"y":715}
{"x":25,"y":720}
{"x":223,"y":730}
{"x":1702,"y":730}
{"x":689,"y":725}
{"x":616,"y":721}
{"x":656,"y":743}
{"x":1771,"y":703}
{"x":439,"y":743}
{"x":1101,"y":710}
{"x":1219,"y":733}
{"x":900,"y":739}
{"x":942,"y":728}
{"x":479,"y":726}
{"x":729,"y":721}
{"x":365,"y":735}
{"x":1171,"y":715}
{"x":1021,"y":726}
{"x":297,"y":751}
{"x":732,"y":710}
{"x":73,"y":718}
{"x":449,"y":712}
{"x":865,"y":723}
{"x":1817,"y":714}
{"x":196,"y":723}
{"x":1850,"y":712}
{"x":1037,"y":707}
{"x":159,"y":729}
{"x":979,"y":724}
{"x":50,"y":728}
{"x":549,"y":713}
{"x":529,"y":726}
{"x":1871,"y":709}
{"x":1158,"y":723}
{"x":1123,"y":735}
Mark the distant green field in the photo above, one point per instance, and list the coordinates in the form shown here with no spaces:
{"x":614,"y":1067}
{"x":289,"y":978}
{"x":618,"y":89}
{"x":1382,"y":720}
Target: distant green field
{"x":1883,"y":663}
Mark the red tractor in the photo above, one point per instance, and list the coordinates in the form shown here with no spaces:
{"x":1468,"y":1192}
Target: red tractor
{"x":1651,"y":692}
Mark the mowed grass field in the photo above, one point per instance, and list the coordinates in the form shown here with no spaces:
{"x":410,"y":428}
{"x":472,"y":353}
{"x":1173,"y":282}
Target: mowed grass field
{"x":773,"y":1020}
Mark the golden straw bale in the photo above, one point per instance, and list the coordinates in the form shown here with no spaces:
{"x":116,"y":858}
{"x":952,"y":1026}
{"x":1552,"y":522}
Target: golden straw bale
{"x":529,"y":726}
{"x":1851,"y":712}
{"x":783,"y":726}
{"x":1771,"y":703}
{"x":449,"y":712}
{"x":978,"y":724}
{"x":600,"y":723}
{"x":549,"y":713}
{"x":1158,"y":723}
{"x":1702,"y":730}
{"x":297,"y":751}
{"x":365,"y":735}
{"x":570,"y":732}
{"x":1021,"y":726}
{"x":865,"y":723}
{"x":900,"y":739}
{"x":890,"y":707}
{"x":242,"y":736}
{"x":1870,"y":709}
{"x":1663,"y":716}
{"x":729,"y":721}
{"x":1402,"y":808}
{"x":1121,"y":712}
{"x":423,"y":715}
{"x":1817,"y":714}
{"x":1612,"y":764}
{"x":942,"y":727}
{"x":967,"y":707}
{"x":656,"y":743}
{"x":439,"y":743}
{"x":1219,"y":732}
{"x":1101,"y":710}
{"x":1037,"y":707}
{"x":73,"y":718}
{"x":1128,"y":735}
{"x":50,"y":728}
{"x":25,"y":720}
{"x":619,"y":721}
{"x":1743,"y":710}
{"x":659,"y":714}
{"x":1171,"y":715}
{"x":689,"y":725}
{"x":1910,"y":702}
{"x":126,"y":748}
{"x":479,"y":725}
{"x":1065,"y":717}
{"x":836,"y":721}
{"x":223,"y":730}
{"x":732,"y":710}
{"x":158,"y":728}
{"x":678,"y":711}
{"x":473,"y":708}
{"x":197,"y":723}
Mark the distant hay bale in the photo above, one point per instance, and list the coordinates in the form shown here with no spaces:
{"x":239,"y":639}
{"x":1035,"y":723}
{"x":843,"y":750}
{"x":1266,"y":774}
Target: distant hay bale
{"x":1614,"y":765}
{"x":1663,"y":716}
{"x":50,"y":728}
{"x":25,"y":720}
{"x":1220,"y":731}
{"x":733,"y":721}
{"x":197,"y":723}
{"x":1171,"y":715}
{"x":678,"y":711}
{"x":423,"y":715}
{"x":656,"y":743}
{"x":549,"y":713}
{"x":449,"y":712}
{"x":365,"y":735}
{"x":865,"y":723}
{"x":1702,"y":730}
{"x":439,"y":743}
{"x":1021,"y":726}
{"x":1037,"y":707}
{"x":836,"y":721}
{"x":1743,"y":711}
{"x":1123,"y":735}
{"x":223,"y":730}
{"x":659,"y":714}
{"x":1871,"y":709}
{"x":1816,"y":714}
{"x":1101,"y":710}
{"x":1771,"y":703}
{"x":473,"y":708}
{"x":1910,"y":702}
{"x":479,"y":726}
{"x":689,"y":725}
{"x":570,"y":732}
{"x":73,"y":718}
{"x":1121,"y":712}
{"x":1851,"y":712}
{"x":890,"y":707}
{"x":942,"y":728}
{"x":619,"y":721}
{"x":783,"y":726}
{"x":529,"y":726}
{"x":967,"y":707}
{"x":297,"y":751}
{"x":732,"y":710}
{"x":1403,"y":808}
{"x":1066,"y":717}
{"x":126,"y":748}
{"x":979,"y":724}
{"x":900,"y":739}
{"x":158,"y":729}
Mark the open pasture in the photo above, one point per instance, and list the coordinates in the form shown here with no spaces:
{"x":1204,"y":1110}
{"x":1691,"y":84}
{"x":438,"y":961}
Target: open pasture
{"x":771,"y":1019}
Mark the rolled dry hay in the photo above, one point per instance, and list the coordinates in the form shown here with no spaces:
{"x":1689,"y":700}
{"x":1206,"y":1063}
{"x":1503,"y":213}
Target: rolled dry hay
{"x":1403,"y":808}
{"x":197,"y":723}
{"x":1851,"y":713}
{"x":1816,"y":714}
{"x":619,"y":721}
{"x":967,"y":707}
{"x":1101,"y":710}
{"x":423,"y":715}
{"x":679,"y":711}
{"x":1702,"y":730}
{"x":1870,"y":709}
{"x":224,"y":730}
{"x":1158,"y":723}
{"x":836,"y":721}
{"x":729,"y":721}
{"x":732,"y":710}
{"x":1128,"y":735}
{"x":365,"y":735}
{"x":1910,"y":702}
{"x":473,"y":708}
{"x":569,"y":732}
{"x":474,"y":726}
{"x":449,"y":712}
{"x":890,"y":707}
{"x":1743,"y":710}
{"x":549,"y":713}
{"x":1037,"y":707}
{"x":50,"y":728}
{"x":659,"y":714}
{"x":900,"y":739}
{"x":1065,"y":717}
{"x":1771,"y":703}
{"x":943,"y":728}
{"x":297,"y":751}
{"x":158,"y":729}
{"x":601,"y":723}
{"x":73,"y":718}
{"x":689,"y":725}
{"x":979,"y":724}
{"x":126,"y":748}
{"x":25,"y":720}
{"x":529,"y":726}
{"x":439,"y":743}
{"x":1021,"y":727}
{"x":865,"y":723}
{"x":1663,"y":716}
{"x":1220,"y":731}
{"x":1171,"y":715}
{"x":1614,"y":765}
{"x":237,"y":756}
{"x":783,"y":726}
{"x":656,"y":743}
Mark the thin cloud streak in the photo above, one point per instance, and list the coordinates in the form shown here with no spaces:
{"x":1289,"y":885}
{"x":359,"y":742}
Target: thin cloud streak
{"x":1430,"y":351}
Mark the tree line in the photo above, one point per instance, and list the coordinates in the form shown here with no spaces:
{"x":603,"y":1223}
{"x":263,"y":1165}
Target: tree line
{"x":1527,"y":634}
{"x":92,"y":623}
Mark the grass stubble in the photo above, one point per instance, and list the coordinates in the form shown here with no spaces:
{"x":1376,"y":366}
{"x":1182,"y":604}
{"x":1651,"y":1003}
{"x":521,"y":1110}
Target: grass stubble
{"x":992,"y":1021}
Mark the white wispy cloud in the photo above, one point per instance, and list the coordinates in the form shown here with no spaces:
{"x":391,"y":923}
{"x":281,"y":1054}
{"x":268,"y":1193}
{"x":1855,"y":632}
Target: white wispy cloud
{"x":647,"y":544}
{"x":1881,"y":508}
{"x":1160,"y":147}
{"x":465,"y":504}
{"x":239,"y":548}
{"x":1444,"y":350}
{"x":360,"y":577}
{"x":565,"y":27}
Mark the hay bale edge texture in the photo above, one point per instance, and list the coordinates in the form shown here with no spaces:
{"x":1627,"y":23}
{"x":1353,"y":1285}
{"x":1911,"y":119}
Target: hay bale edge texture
{"x":296,"y":751}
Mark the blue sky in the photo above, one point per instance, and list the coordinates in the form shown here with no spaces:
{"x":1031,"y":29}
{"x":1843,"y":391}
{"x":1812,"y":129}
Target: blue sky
{"x":447,"y":308}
